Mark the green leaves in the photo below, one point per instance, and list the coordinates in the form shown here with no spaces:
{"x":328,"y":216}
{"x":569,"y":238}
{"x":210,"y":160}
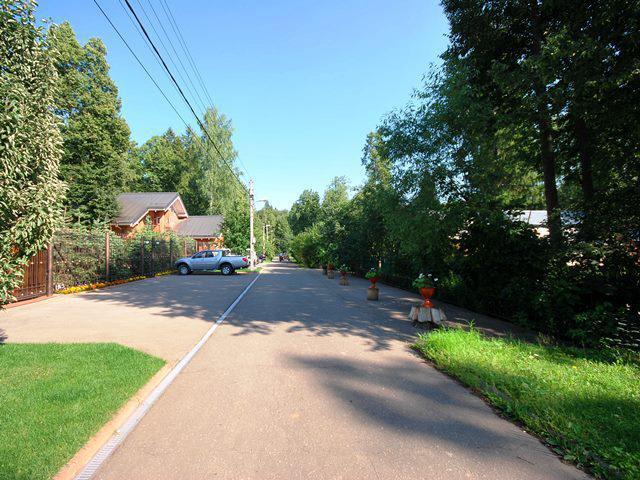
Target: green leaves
{"x":96,"y":137}
{"x":30,"y":191}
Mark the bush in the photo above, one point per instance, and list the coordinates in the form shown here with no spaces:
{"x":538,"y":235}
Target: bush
{"x":498,"y":267}
{"x":308,"y":247}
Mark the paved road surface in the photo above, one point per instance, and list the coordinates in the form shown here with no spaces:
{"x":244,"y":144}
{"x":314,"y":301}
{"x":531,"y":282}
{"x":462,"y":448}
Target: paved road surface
{"x":164,"y":316}
{"x":308,"y":380}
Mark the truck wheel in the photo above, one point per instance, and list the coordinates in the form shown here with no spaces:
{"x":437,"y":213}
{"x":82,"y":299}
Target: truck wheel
{"x":184,"y":269}
{"x":226,"y":269}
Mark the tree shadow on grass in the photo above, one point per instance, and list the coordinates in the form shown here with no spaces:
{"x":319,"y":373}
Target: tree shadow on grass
{"x":3,"y":336}
{"x":593,"y":420}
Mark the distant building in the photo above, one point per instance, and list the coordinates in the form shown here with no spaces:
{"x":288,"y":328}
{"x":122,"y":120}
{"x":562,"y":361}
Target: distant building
{"x":165,"y":212}
{"x":538,"y":220}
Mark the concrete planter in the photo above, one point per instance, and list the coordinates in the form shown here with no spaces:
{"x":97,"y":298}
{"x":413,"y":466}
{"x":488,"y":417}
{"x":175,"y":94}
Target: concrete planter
{"x":372,"y":293}
{"x":343,"y":279}
{"x":420,"y":314}
{"x":330,"y":274}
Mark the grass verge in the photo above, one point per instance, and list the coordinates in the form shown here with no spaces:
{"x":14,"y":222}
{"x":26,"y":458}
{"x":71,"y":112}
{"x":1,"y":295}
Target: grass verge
{"x":54,"y":397}
{"x":584,"y":403}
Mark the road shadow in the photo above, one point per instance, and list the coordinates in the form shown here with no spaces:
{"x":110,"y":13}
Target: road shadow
{"x":202,"y":296}
{"x":3,"y":336}
{"x":402,"y":397}
{"x":288,"y":295}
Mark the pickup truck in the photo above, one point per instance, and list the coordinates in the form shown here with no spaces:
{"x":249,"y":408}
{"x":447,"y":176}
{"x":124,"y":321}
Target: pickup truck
{"x":212,"y":260}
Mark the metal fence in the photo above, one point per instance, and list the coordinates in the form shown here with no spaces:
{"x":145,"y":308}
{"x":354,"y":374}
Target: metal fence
{"x":83,"y":257}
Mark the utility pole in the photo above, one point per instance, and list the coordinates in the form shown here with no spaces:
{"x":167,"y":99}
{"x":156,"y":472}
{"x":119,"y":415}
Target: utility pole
{"x":252,"y":240}
{"x":265,"y":238}
{"x":266,"y":228}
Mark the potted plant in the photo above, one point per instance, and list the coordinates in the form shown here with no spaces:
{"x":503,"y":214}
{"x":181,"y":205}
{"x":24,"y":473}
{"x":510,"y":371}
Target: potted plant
{"x":343,"y":274}
{"x":373,"y":275}
{"x":426,"y":285}
{"x":330,"y":269}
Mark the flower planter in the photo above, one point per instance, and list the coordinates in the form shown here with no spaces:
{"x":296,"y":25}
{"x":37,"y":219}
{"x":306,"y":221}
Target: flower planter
{"x":373,"y":281}
{"x":427,"y":293}
{"x":372,"y":293}
{"x":343,"y":278}
{"x":330,"y":274}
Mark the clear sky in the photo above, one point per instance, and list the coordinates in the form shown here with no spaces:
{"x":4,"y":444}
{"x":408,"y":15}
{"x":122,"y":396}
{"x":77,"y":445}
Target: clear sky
{"x":303,"y":82}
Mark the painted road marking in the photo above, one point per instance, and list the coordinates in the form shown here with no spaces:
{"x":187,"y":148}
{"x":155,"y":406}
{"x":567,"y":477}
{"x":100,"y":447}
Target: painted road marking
{"x":127,"y":427}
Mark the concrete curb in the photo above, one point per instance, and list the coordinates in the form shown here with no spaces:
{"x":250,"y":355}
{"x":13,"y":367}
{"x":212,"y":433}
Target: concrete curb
{"x":95,"y":443}
{"x":92,"y":455}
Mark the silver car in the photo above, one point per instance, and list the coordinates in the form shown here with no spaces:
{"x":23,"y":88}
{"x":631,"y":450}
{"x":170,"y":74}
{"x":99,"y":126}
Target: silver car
{"x":212,"y":260}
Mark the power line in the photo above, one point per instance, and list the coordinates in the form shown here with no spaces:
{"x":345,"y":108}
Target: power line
{"x":168,"y":53}
{"x":164,"y":64}
{"x":189,"y":57}
{"x":153,"y":10}
{"x":167,"y":98}
{"x":185,"y":48}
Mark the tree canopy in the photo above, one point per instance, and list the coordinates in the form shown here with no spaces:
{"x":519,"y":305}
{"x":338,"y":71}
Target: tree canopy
{"x":95,"y":136}
{"x":532,"y":107}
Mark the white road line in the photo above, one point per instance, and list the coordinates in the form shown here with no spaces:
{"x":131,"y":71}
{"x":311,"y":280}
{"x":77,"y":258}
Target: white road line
{"x":127,"y":427}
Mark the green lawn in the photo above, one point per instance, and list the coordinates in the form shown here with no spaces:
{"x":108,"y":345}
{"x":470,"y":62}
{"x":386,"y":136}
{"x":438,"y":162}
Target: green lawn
{"x":53,"y":397}
{"x":584,"y":404}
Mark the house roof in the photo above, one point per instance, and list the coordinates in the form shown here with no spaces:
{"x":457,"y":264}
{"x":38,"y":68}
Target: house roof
{"x":135,"y":205}
{"x":200,"y":226}
{"x":533,"y":217}
{"x":538,"y":218}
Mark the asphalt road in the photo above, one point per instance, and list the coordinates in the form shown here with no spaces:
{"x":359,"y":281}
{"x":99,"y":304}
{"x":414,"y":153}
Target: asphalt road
{"x":163,"y":316}
{"x":306,"y":379}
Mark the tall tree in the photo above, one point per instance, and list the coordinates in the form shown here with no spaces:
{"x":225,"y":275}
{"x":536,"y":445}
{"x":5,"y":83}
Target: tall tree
{"x":505,"y":45}
{"x":30,"y":145}
{"x":218,"y":165}
{"x":305,"y":211}
{"x":162,"y":164}
{"x":96,"y":137}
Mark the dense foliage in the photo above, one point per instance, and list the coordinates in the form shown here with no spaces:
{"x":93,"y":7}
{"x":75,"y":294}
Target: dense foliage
{"x":30,"y":191}
{"x":275,"y":223}
{"x":96,"y":137}
{"x":532,"y":107}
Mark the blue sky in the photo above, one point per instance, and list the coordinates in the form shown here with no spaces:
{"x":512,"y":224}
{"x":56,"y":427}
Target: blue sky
{"x":303,"y":82}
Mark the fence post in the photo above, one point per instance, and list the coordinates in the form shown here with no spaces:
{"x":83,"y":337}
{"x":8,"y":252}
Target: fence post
{"x":151,"y":270}
{"x":50,"y":269}
{"x":184,"y":244}
{"x":170,"y":253}
{"x":141,"y":255}
{"x":107,"y":254}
